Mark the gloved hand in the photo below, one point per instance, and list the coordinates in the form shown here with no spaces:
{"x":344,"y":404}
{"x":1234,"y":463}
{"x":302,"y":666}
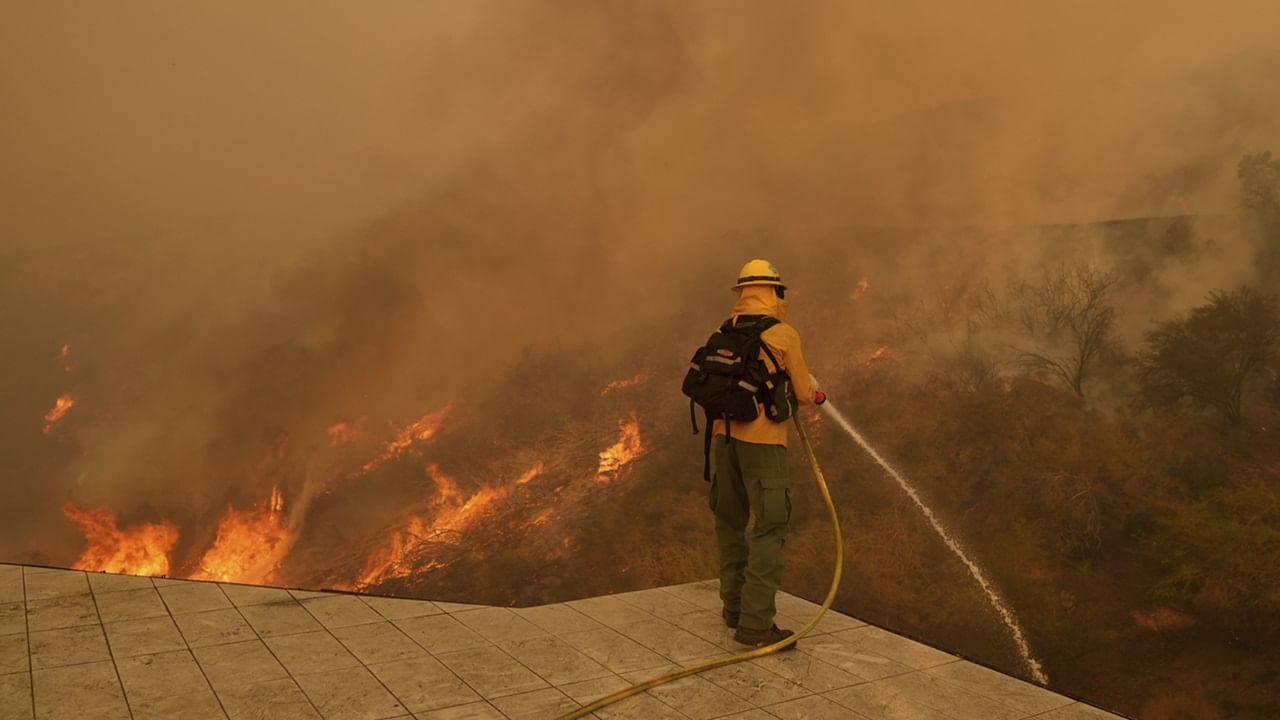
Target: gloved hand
{"x":819,"y":397}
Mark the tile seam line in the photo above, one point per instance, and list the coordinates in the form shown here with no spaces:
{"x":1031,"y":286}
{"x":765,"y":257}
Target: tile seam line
{"x":363,"y":665}
{"x":548,"y":680}
{"x":621,"y":597}
{"x":753,"y":703}
{"x":1081,"y":703}
{"x":677,"y":663}
{"x":86,"y":662}
{"x":859,"y":681}
{"x":666,"y":661}
{"x":26,"y":618}
{"x":908,"y":671}
{"x":491,"y":644}
{"x":678,"y":711}
{"x":437,"y":659}
{"x":571,"y":647}
{"x":959,"y":686}
{"x":575,"y":611}
{"x":187,"y":645}
{"x":1023,"y":714}
{"x":254,"y":630}
{"x":128,"y":706}
{"x":691,"y":660}
{"x":855,"y":714}
{"x":948,"y":714}
{"x":513,"y":659}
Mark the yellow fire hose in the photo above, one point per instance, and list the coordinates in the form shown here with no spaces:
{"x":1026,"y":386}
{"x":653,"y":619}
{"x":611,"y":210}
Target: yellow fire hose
{"x":758,"y":652}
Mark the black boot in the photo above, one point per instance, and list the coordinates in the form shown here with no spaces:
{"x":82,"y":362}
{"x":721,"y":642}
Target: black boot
{"x":730,"y":617}
{"x":761,"y":638}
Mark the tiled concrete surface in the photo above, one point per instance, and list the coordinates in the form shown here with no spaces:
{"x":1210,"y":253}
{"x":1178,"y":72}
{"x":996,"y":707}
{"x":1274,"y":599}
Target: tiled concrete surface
{"x":92,"y":646}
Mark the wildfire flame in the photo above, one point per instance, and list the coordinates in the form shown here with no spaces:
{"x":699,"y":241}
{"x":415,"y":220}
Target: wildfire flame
{"x":446,"y":521}
{"x":451,"y":522}
{"x":420,"y":430}
{"x":530,"y":474}
{"x":446,"y":487}
{"x":247,"y":543}
{"x":393,"y":561}
{"x":138,"y":550}
{"x":625,"y":383}
{"x":860,"y":289}
{"x":61,"y":407}
{"x":342,"y":433}
{"x":879,"y":354}
{"x":542,"y":518}
{"x":626,"y":450}
{"x":65,"y":355}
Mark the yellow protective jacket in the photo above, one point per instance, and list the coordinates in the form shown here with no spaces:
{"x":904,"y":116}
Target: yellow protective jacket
{"x":784,"y":342}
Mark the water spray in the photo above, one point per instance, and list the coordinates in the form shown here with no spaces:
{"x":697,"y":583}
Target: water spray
{"x":1001,"y":608}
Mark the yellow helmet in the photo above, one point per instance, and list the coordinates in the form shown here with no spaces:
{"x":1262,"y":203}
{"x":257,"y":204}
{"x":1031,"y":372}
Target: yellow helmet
{"x":758,"y":272}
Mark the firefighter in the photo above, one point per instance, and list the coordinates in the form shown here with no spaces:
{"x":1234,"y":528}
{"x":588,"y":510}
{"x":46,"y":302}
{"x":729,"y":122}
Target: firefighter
{"x":751,"y":478}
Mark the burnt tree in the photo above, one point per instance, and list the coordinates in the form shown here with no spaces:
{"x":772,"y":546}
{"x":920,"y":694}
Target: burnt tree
{"x":1068,"y":322}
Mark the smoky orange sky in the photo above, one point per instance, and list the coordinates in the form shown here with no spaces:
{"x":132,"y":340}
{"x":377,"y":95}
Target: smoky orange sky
{"x":283,"y":124}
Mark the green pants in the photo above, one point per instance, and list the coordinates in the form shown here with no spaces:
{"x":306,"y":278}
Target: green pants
{"x":750,"y":481}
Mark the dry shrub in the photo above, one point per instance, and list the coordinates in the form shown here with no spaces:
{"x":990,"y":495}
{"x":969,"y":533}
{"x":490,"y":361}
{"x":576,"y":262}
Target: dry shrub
{"x":1073,"y":505}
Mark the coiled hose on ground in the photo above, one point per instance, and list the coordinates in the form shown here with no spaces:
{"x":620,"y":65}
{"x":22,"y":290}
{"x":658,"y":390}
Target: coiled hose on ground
{"x":758,"y":652}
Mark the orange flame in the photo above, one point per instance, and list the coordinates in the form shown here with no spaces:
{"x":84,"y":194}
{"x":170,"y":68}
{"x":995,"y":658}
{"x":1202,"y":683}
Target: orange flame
{"x":879,"y":354}
{"x":530,"y":474}
{"x":626,"y":450}
{"x":860,"y":289}
{"x":542,"y":518}
{"x":393,"y":560}
{"x":625,"y":383}
{"x":456,"y":520}
{"x":420,"y":430}
{"x":247,"y":544}
{"x":61,"y":407}
{"x":342,"y":433}
{"x":450,"y":518}
{"x":138,"y":550}
{"x":64,"y":355}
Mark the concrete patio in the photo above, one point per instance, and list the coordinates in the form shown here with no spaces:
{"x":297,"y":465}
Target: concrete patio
{"x":94,"y":646}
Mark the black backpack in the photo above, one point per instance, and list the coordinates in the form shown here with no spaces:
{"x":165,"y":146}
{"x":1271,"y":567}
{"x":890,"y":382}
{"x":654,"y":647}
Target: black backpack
{"x":727,"y":378}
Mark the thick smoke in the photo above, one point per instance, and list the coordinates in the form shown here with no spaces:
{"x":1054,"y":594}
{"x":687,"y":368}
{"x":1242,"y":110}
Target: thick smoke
{"x":250,"y":220}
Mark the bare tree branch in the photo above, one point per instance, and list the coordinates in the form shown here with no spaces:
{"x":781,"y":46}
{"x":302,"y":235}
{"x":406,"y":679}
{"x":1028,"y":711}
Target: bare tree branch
{"x":1068,"y":321}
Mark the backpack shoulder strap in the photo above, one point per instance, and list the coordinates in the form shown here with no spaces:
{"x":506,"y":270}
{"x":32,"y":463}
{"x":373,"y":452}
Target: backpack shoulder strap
{"x":777,"y":367}
{"x":706,"y":449}
{"x":759,"y":324}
